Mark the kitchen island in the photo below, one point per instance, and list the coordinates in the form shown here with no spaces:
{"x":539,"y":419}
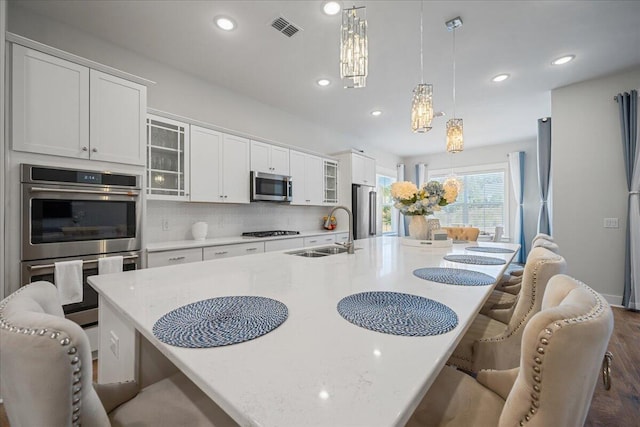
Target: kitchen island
{"x":316,"y":369}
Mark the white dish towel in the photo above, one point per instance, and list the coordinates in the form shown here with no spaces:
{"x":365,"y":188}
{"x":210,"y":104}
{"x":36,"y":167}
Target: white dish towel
{"x":68,"y":278}
{"x":112,"y":264}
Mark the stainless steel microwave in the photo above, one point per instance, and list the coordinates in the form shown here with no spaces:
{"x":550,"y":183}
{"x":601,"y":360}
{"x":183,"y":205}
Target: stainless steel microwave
{"x":267,"y":187}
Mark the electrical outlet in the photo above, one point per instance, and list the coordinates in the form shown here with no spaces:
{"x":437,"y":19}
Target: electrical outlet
{"x":611,"y":223}
{"x":114,"y":344}
{"x":165,"y":224}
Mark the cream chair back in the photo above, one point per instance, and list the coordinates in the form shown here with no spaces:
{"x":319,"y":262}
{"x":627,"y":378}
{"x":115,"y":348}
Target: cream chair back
{"x":503,"y":351}
{"x":562,"y":348}
{"x":547,"y":244}
{"x":46,"y":363}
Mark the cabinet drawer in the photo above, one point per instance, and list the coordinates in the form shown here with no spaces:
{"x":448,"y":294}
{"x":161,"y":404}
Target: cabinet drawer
{"x":183,"y":256}
{"x":342,"y":237}
{"x":281,"y":245}
{"x":319,"y":240}
{"x":226,"y":251}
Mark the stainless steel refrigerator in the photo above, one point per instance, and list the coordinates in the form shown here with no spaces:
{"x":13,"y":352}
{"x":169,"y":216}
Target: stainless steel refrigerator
{"x":363,"y":205}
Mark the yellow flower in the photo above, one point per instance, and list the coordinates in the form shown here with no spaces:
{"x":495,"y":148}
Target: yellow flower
{"x":403,"y":190}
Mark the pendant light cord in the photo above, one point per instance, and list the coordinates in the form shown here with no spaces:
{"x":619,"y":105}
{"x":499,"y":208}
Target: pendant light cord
{"x":454,"y":73}
{"x":421,"y":43}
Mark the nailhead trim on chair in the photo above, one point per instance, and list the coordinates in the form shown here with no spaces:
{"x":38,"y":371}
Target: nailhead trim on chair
{"x":75,"y":360}
{"x":538,"y":361}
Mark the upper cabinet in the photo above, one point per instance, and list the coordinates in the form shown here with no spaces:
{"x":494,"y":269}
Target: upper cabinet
{"x":65,"y":109}
{"x":363,"y":170}
{"x":219,"y":167}
{"x":330,"y":182}
{"x":307,"y":175}
{"x":167,"y":159}
{"x":269,"y":158}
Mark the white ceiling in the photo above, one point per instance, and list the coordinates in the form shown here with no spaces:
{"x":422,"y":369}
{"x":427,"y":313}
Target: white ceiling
{"x":518,"y":37}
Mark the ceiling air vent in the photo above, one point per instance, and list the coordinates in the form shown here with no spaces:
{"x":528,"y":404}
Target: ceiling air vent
{"x":284,"y":26}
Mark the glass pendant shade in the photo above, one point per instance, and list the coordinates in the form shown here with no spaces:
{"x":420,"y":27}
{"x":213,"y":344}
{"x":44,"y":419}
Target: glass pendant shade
{"x":455,"y":136}
{"x":354,"y":51}
{"x":422,"y":108}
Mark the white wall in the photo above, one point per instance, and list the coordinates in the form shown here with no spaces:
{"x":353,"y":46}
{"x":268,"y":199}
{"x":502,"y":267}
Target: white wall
{"x":589,"y":182}
{"x":490,"y":155}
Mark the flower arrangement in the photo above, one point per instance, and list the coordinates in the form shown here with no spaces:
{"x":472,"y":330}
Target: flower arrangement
{"x":431,"y":197}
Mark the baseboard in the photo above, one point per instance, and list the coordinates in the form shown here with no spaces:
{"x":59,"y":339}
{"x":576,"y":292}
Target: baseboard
{"x":614,"y":300}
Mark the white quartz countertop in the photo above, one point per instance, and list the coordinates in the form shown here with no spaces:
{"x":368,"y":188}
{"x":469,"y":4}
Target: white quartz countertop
{"x":316,"y":369}
{"x":218,"y":241}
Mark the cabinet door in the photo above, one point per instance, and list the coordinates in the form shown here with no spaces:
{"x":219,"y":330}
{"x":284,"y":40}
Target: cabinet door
{"x":117,"y":119}
{"x":227,"y":251}
{"x":330,"y":182}
{"x":297,"y":162}
{"x":342,"y":237}
{"x":260,"y":157}
{"x":314,"y":180}
{"x":235,"y":168}
{"x":357,"y":169}
{"x":50,"y":104}
{"x":168,"y":159}
{"x":279,"y":160}
{"x":369,"y":177}
{"x":206,"y":161}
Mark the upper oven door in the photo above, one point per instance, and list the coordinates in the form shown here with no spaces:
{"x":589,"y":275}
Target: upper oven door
{"x":65,"y":220}
{"x":270,"y":187}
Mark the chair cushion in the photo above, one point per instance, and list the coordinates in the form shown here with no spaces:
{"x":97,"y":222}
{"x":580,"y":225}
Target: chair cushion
{"x":456,"y":399}
{"x":463,"y":233}
{"x":481,"y":327}
{"x":173,"y":401}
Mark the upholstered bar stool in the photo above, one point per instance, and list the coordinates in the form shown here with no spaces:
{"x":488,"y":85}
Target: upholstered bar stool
{"x":561,"y":350}
{"x":47,"y":375}
{"x":492,"y":344}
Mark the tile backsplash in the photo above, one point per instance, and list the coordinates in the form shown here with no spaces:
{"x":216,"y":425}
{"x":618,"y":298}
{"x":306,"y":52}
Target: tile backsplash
{"x":226,"y":220}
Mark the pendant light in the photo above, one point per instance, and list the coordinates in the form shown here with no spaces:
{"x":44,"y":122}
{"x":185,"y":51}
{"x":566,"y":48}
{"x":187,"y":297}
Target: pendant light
{"x":354,"y":49}
{"x":455,"y":134}
{"x":422,"y":105}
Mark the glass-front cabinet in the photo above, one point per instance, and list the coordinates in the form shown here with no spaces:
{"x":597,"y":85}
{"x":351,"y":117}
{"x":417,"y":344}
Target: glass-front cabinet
{"x":330,"y":182}
{"x":167,"y":159}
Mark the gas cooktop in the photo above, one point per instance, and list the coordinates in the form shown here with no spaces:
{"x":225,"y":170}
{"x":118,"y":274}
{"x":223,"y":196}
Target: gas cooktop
{"x":270,"y":233}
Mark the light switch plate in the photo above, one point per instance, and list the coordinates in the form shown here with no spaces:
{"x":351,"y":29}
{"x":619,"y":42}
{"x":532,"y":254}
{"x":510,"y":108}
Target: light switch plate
{"x":611,"y":223}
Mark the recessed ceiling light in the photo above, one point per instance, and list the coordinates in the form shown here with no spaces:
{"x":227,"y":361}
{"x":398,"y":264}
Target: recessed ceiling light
{"x":563,"y":59}
{"x":500,"y":78}
{"x":324,"y":82}
{"x":225,"y":23}
{"x":331,"y":7}
{"x":376,"y":113}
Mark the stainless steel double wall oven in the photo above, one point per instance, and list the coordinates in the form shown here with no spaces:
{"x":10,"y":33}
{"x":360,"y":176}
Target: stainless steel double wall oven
{"x":78,"y":214}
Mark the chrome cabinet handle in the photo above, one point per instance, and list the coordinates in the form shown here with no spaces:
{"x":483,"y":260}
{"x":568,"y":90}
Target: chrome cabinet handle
{"x":85,"y":149}
{"x":252,"y":249}
{"x":95,"y":150}
{"x":220,"y":253}
{"x":178,"y":258}
{"x":225,"y":197}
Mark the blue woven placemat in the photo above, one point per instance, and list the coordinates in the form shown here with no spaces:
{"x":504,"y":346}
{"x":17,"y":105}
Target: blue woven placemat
{"x":454,"y":276}
{"x":489,"y":249}
{"x":220,"y":321}
{"x":475,"y":259}
{"x":397,"y":314}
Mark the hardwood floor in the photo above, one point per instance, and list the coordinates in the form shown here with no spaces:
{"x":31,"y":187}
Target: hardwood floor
{"x":620,"y":405}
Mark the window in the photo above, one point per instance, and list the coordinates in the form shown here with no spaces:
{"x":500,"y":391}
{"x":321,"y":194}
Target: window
{"x":388,"y":222}
{"x":483,"y":201}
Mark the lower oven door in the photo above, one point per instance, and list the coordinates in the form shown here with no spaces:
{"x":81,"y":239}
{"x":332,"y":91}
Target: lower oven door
{"x":84,"y":313}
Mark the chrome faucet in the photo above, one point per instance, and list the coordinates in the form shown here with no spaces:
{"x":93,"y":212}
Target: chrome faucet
{"x":349,"y":244}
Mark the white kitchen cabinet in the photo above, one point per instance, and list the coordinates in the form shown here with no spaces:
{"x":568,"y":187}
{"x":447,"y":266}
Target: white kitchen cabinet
{"x":65,"y":109}
{"x":342,"y":237}
{"x":269,"y":158}
{"x":308,"y":179}
{"x":117,"y":116}
{"x":167,"y":159}
{"x":319,"y":240}
{"x":283,"y":244}
{"x":219,"y":167}
{"x":227,"y":251}
{"x":330,"y":182}
{"x":363,"y":170}
{"x":179,"y":256}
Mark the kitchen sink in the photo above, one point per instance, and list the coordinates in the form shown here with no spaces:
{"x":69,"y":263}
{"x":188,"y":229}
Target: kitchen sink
{"x":319,"y":252}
